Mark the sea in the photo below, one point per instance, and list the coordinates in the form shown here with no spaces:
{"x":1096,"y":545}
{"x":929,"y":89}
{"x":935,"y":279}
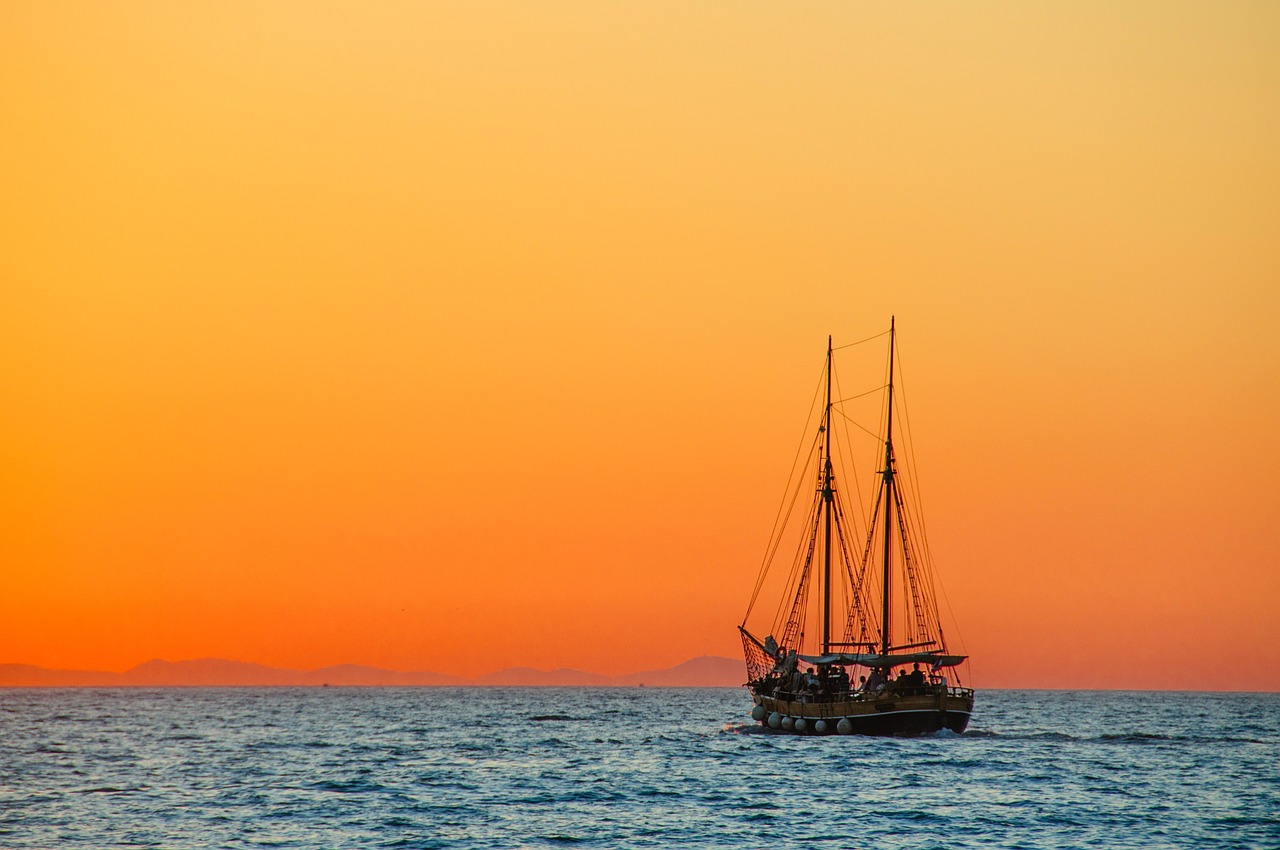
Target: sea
{"x":624,"y":767}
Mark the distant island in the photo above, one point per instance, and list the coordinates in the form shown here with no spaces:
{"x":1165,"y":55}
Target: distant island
{"x":704,"y":671}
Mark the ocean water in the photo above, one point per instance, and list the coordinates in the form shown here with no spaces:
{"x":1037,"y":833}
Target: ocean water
{"x":639,"y":767}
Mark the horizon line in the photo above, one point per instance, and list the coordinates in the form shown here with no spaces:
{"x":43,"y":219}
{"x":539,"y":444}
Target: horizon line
{"x":697,"y":679}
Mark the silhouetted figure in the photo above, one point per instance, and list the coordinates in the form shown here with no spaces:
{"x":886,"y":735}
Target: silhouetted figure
{"x":877,"y":681}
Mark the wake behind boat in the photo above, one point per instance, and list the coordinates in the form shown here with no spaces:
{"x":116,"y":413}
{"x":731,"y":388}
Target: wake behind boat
{"x":856,"y":645}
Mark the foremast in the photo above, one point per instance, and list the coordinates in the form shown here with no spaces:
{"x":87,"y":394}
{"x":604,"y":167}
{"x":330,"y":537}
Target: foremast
{"x":887,"y":498}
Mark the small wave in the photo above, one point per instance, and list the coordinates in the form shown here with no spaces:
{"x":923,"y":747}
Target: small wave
{"x":1105,"y":738}
{"x":553,"y":741}
{"x":654,"y":792}
{"x":1245,"y":820}
{"x":911,"y":816}
{"x":760,"y":816}
{"x":1026,"y":736}
{"x":1134,"y":738}
{"x":756,"y":804}
{"x":416,"y":843}
{"x":355,"y":786}
{"x":1046,"y":736}
{"x":1152,"y":738}
{"x":274,"y":745}
{"x":445,"y":782}
{"x":548,"y":718}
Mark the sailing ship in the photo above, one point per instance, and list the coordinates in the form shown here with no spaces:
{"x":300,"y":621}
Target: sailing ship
{"x":856,"y":645}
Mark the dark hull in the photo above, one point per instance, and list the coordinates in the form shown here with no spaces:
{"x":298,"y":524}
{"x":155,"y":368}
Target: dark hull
{"x":917,"y":714}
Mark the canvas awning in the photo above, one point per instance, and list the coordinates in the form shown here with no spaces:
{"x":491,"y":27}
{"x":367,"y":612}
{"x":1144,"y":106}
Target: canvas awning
{"x":847,"y":659}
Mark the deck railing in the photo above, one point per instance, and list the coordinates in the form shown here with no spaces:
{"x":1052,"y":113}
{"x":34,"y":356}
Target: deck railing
{"x":854,"y":695}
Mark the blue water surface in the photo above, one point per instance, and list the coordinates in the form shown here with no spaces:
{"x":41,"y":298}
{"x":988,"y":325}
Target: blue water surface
{"x":619,"y":767}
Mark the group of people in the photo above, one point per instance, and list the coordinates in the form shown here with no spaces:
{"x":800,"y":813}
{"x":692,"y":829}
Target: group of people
{"x":829,"y":681}
{"x":905,"y":683}
{"x":823,"y":680}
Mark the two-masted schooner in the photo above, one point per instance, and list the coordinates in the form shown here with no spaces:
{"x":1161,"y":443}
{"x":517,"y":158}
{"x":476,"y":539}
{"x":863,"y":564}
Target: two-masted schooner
{"x":856,"y":645}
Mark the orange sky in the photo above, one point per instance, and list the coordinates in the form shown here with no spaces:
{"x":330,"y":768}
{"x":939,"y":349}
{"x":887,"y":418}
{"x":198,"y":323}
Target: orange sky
{"x":453,"y":336}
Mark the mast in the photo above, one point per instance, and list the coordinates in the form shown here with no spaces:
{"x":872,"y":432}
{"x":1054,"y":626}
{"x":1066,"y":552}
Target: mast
{"x":826,"y":498}
{"x":888,"y":502}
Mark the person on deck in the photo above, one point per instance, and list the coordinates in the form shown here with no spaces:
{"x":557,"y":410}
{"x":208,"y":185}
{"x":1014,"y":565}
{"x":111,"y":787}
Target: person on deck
{"x":876,"y":683}
{"x":812,"y":683}
{"x":841,"y":680}
{"x":796,"y":685}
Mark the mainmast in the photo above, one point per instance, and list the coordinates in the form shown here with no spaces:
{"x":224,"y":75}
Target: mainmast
{"x":888,"y":501}
{"x":826,"y":498}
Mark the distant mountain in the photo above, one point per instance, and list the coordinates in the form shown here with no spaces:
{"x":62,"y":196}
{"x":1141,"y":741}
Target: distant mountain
{"x":220,"y":672}
{"x":30,"y":676}
{"x":207,"y":671}
{"x":705,"y":671}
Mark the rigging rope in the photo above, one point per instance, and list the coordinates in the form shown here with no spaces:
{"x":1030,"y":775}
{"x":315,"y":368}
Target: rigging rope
{"x":860,"y":342}
{"x":780,"y":520}
{"x":857,"y":424}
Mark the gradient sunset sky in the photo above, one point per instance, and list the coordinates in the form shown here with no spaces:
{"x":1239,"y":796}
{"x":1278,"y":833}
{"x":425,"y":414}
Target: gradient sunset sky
{"x":459,"y":335}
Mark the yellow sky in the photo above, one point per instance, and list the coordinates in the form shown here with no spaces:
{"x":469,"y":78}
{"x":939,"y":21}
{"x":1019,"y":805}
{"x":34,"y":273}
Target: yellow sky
{"x":457,"y":335}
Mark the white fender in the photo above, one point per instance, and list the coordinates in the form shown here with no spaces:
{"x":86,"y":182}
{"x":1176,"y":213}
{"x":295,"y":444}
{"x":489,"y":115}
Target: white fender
{"x":788,"y":723}
{"x":820,"y":727}
{"x":758,"y":713}
{"x":845,"y":726}
{"x":775,"y":721}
